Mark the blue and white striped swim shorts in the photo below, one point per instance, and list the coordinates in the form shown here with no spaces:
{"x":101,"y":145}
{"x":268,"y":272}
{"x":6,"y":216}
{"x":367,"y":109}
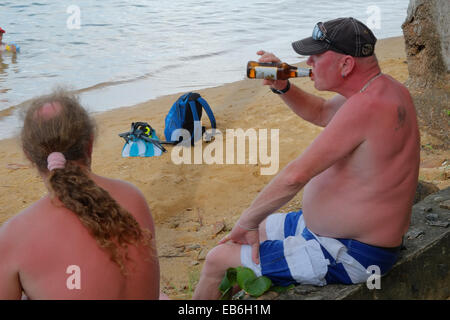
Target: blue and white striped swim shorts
{"x":294,"y":254}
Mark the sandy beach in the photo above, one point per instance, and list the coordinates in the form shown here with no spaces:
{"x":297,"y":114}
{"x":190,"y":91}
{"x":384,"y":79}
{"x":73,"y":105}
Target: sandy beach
{"x":195,"y":205}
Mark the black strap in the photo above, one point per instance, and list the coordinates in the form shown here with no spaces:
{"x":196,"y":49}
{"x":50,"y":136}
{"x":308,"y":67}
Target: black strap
{"x":276,"y":91}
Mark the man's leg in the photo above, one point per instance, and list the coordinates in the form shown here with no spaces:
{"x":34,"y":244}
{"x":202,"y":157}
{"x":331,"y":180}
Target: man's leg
{"x":218,"y":260}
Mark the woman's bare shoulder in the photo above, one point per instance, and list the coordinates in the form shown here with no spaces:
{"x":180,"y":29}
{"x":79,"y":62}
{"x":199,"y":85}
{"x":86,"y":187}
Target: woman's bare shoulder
{"x":129,"y":196}
{"x":117,"y":186}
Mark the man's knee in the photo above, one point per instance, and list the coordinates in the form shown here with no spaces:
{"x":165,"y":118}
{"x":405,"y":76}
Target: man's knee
{"x":223,"y":256}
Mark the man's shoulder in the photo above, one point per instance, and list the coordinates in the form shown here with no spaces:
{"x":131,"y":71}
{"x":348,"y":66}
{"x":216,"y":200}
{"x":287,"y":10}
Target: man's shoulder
{"x":386,"y":92}
{"x":381,"y":97}
{"x":362,"y":113}
{"x":358,"y":105}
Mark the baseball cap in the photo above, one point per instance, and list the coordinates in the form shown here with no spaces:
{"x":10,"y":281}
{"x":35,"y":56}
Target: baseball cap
{"x":344,"y":35}
{"x":2,"y":31}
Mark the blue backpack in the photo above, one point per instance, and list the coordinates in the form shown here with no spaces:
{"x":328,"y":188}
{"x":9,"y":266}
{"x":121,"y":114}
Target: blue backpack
{"x":187,"y":109}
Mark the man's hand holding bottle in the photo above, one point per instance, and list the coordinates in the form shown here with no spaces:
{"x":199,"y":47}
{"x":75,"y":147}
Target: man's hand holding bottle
{"x":267,"y":57}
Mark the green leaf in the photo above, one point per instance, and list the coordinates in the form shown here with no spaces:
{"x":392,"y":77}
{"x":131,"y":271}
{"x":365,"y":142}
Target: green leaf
{"x":244,"y":275}
{"x":224,"y":285}
{"x":258,"y":286}
{"x":246,"y":279}
{"x":227,"y":294}
{"x":228,"y":281}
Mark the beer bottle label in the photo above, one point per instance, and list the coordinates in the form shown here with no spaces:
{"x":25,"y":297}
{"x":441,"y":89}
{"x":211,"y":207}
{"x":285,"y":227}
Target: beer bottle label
{"x":266,"y":73}
{"x":303,"y":72}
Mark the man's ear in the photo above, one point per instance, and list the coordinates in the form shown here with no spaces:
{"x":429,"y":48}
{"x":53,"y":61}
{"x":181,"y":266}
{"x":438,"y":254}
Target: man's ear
{"x":347,"y":65}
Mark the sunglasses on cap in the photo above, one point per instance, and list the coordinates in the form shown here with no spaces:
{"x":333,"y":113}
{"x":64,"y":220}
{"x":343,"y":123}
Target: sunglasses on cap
{"x":320,"y":34}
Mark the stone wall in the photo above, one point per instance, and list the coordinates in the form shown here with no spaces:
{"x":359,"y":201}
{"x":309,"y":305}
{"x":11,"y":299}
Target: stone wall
{"x":427,"y":39}
{"x":427,"y":42}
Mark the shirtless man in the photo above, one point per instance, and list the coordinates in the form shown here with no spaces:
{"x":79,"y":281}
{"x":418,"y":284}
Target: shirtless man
{"x":360,"y":174}
{"x":66,"y":245}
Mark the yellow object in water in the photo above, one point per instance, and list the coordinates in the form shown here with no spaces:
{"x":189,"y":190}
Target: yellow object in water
{"x":12,"y":47}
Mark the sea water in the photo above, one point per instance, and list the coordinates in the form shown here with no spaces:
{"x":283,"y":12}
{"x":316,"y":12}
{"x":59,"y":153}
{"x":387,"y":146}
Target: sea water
{"x":121,"y":52}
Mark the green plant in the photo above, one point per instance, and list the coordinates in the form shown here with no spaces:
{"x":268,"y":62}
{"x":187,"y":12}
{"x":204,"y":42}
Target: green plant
{"x":246,"y":279}
{"x":194,"y":276}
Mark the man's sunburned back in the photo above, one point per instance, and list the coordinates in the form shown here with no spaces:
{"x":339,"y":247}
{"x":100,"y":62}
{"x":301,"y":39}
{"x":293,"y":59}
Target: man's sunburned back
{"x":367,"y":195}
{"x":49,"y":239}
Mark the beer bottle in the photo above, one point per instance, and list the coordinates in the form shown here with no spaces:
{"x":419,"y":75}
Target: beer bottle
{"x":275,"y":71}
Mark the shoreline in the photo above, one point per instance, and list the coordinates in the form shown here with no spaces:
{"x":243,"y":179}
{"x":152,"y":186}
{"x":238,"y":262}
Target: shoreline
{"x":9,"y":117}
{"x":196,"y":205}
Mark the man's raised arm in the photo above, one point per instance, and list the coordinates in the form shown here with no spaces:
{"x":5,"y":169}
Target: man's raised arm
{"x":311,"y":108}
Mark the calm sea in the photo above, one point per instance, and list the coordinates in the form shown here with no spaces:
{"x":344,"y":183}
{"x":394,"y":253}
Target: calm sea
{"x":121,"y":52}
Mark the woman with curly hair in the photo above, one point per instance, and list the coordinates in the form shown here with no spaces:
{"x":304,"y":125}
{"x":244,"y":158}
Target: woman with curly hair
{"x":90,"y":237}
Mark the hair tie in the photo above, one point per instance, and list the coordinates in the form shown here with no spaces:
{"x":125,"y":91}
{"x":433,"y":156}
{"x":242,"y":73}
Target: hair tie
{"x":56,"y":160}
